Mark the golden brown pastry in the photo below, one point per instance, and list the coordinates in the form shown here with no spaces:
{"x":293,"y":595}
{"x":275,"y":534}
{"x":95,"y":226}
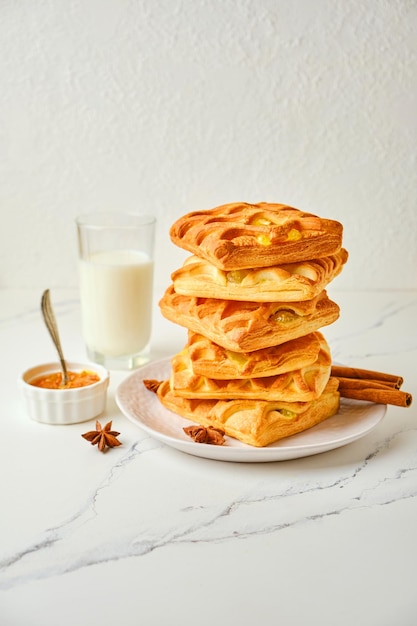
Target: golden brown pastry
{"x":211,"y":360}
{"x":300,"y":385}
{"x":284,"y":283}
{"x":248,"y":326}
{"x":241,"y":235}
{"x":255,"y":422}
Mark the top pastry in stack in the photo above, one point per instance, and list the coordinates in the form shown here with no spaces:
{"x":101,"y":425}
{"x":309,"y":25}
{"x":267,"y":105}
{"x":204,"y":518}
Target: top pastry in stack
{"x":253,"y":298}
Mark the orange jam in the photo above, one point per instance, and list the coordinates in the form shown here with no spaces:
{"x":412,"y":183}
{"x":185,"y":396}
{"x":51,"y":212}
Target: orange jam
{"x":75,"y":379}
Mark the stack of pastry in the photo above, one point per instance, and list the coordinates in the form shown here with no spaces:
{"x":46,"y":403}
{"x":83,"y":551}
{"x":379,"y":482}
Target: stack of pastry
{"x":253,"y":298}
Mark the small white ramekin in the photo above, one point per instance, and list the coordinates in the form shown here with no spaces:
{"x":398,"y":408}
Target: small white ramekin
{"x":64,"y":406}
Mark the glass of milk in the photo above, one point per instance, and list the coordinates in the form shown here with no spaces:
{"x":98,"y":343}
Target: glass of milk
{"x":116,"y":287}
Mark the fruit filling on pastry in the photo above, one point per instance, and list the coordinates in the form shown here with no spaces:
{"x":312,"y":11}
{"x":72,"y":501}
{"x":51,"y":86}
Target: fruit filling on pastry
{"x":283,"y":316}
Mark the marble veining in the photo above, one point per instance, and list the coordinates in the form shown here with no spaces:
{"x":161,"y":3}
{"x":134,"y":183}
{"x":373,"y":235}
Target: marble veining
{"x":300,"y":503}
{"x":84,"y":515}
{"x":345,"y":347}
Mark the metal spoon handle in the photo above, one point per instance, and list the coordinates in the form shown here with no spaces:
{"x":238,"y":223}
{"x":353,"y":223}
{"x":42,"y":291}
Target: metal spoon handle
{"x":50,"y":321}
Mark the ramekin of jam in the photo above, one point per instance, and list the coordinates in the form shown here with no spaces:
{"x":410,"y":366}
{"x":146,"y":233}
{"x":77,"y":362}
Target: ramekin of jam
{"x":82,"y":398}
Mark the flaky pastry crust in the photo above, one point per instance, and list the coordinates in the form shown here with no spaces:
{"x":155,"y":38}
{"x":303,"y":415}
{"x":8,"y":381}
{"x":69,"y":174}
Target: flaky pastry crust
{"x":299,"y":385}
{"x":248,"y":326}
{"x":284,"y":283}
{"x":255,"y":422}
{"x":211,"y":360}
{"x":241,"y":235}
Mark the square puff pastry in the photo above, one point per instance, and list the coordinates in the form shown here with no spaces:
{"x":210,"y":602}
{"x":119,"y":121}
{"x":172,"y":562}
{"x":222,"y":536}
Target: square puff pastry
{"x":255,"y":422}
{"x":299,"y":385}
{"x":248,"y":326}
{"x":242,"y":235}
{"x":280,"y":283}
{"x":211,"y":360}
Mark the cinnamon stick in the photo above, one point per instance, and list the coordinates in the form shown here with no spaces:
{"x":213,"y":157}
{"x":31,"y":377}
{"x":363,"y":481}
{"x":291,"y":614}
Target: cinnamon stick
{"x":378,"y":395}
{"x":378,"y":387}
{"x":339,"y":371}
{"x":359,"y":383}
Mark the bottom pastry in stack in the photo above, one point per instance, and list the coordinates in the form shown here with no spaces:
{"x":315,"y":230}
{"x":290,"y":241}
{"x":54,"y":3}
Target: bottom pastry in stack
{"x":256,"y":397}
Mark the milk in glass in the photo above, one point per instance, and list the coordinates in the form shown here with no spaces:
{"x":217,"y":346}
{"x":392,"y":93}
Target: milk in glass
{"x":116,"y":301}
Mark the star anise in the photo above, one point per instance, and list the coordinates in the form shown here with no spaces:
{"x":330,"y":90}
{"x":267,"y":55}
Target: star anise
{"x":152,"y":384}
{"x":202,"y":434}
{"x":104,"y":437}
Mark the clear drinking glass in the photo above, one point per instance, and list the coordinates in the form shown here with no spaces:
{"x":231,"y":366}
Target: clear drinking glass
{"x":116,"y":261}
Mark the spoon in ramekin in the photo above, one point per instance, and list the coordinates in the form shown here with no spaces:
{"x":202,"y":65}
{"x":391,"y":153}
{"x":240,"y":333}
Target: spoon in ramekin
{"x":50,"y":321}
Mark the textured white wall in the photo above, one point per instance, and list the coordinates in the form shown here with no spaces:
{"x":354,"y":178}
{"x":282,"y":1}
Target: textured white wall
{"x":170,"y":106}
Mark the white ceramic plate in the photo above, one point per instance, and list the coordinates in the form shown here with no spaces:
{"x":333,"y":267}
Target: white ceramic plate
{"x":354,"y":420}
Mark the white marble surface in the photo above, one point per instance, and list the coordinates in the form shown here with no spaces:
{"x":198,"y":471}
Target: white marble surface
{"x":148,"y":535}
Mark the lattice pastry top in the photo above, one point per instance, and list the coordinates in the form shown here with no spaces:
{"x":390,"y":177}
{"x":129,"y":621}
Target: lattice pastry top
{"x":247,"y":326}
{"x":241,"y":235}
